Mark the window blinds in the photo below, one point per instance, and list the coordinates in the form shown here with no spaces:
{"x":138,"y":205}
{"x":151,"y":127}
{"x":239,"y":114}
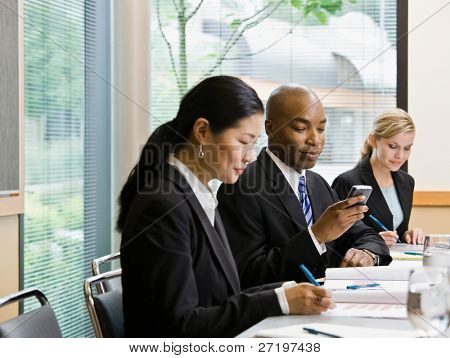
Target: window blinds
{"x":60,"y":239}
{"x":350,"y":61}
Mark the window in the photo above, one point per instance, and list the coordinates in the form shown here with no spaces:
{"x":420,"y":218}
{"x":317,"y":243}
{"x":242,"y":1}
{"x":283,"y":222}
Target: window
{"x":349,"y":60}
{"x":66,"y":149}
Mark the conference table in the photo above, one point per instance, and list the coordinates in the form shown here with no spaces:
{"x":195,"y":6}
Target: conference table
{"x":402,"y":325}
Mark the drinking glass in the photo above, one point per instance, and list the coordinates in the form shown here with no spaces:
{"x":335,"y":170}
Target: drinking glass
{"x":427,"y":304}
{"x":436,"y":256}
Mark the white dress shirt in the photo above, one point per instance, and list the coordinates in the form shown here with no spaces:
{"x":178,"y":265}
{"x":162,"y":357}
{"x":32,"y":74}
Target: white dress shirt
{"x":209,"y":204}
{"x":293,"y":178}
{"x":203,"y":193}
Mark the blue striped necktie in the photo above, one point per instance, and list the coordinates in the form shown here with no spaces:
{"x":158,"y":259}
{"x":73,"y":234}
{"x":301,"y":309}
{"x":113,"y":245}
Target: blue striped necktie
{"x":304,"y":200}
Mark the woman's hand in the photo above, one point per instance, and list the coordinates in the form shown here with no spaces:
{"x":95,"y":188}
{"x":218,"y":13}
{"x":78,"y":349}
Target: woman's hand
{"x":306,"y":298}
{"x":389,"y":237}
{"x":414,"y":236}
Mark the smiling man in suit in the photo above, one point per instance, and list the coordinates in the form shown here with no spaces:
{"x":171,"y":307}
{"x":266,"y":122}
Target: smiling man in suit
{"x":279,"y":214}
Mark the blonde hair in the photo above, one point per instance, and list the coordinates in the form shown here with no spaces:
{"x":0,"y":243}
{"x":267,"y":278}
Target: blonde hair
{"x":386,"y":125}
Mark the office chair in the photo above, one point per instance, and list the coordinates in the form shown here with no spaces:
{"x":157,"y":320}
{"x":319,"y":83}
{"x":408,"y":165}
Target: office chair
{"x":105,"y":308}
{"x":109,"y":285}
{"x":38,"y":323}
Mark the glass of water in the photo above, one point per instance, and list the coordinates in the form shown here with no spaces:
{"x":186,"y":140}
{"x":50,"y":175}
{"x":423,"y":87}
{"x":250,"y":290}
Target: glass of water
{"x":436,"y":256}
{"x":427,"y":304}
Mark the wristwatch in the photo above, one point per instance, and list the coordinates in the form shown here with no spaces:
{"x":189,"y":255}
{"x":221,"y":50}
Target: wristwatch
{"x":375,"y":257}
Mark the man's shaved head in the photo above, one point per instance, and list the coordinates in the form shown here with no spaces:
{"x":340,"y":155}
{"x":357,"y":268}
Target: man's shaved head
{"x":295,"y":125}
{"x":278,"y":105}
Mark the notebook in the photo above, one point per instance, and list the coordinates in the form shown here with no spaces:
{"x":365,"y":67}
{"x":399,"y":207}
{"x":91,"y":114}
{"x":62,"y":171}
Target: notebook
{"x":387,"y":300}
{"x":406,"y":257}
{"x":368,"y":310}
{"x":374,"y":273}
{"x":388,"y":292}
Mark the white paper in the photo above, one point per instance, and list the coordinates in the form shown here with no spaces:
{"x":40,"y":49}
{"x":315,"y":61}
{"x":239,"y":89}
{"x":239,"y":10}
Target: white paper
{"x":402,"y":256}
{"x":369,"y":310}
{"x":406,"y":247}
{"x":385,"y":273}
{"x":388,"y":292}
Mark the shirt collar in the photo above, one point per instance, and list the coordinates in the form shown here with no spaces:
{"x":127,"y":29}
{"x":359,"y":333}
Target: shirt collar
{"x":292,"y":176}
{"x":203,"y":193}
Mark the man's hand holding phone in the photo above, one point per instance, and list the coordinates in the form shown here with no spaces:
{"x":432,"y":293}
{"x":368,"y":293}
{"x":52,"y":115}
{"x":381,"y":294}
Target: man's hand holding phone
{"x":338,"y":218}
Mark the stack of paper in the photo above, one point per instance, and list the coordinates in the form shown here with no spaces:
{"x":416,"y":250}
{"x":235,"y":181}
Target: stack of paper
{"x":386,"y":300}
{"x":406,"y":252}
{"x":406,"y":247}
{"x":368,"y":310}
{"x":374,"y":273}
{"x":406,"y":257}
{"x":388,"y":292}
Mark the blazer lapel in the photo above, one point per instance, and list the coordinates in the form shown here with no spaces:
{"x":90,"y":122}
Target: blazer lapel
{"x":220,"y":230}
{"x":283,"y":190}
{"x":220,"y":250}
{"x":382,"y":211}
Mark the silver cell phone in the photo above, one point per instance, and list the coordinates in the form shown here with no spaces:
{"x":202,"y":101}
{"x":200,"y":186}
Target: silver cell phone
{"x":357,"y":190}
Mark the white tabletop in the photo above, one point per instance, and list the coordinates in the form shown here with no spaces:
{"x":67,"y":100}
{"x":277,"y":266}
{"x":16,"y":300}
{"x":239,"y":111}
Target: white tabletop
{"x":283,"y":321}
{"x":400,"y":324}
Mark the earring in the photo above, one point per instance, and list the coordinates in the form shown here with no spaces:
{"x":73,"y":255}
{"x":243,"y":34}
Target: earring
{"x":201,"y":153}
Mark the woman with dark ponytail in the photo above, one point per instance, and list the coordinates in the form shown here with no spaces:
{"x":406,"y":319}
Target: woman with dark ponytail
{"x":178,"y":274}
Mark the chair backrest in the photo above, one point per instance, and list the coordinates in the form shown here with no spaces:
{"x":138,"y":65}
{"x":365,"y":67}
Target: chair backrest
{"x":108,"y":285}
{"x":105,"y":308}
{"x":38,"y":323}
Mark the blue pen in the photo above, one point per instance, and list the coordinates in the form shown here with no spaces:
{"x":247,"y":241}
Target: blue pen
{"x":355,"y":287}
{"x":380,"y":224}
{"x":308,"y":275}
{"x":315,"y":331}
{"x":413,"y":253}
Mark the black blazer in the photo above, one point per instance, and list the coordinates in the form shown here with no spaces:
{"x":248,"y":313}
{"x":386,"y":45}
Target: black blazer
{"x":267,"y":229}
{"x":178,"y":275}
{"x":363,"y":174}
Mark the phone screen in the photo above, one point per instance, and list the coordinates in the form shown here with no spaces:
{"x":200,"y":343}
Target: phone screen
{"x":356,"y":190}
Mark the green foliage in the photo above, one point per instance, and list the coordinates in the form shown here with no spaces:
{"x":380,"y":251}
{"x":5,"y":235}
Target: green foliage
{"x":239,"y":24}
{"x":321,"y":9}
{"x":54,"y":220}
{"x":331,"y":6}
{"x":235,"y":23}
{"x":52,"y":54}
{"x":297,"y":4}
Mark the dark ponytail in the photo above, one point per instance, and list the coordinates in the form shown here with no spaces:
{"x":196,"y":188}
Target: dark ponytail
{"x":222,"y":100}
{"x":154,"y":154}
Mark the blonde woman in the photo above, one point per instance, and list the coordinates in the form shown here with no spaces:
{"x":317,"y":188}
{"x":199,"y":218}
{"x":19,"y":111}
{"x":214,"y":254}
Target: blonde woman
{"x":385,"y":150}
